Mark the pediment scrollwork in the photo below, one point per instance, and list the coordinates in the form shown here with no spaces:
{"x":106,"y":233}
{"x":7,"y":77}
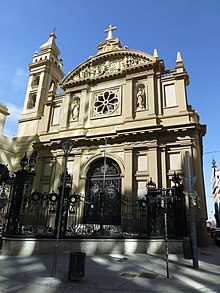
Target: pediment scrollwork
{"x":94,"y":69}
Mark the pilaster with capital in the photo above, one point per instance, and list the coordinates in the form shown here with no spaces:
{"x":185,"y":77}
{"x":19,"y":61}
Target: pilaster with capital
{"x":83,"y":106}
{"x":127,"y":100}
{"x":65,"y":111}
{"x":128,"y":177}
{"x":77,"y":171}
{"x":180,"y":89}
{"x":151,"y":95}
{"x":45,"y":121}
{"x":159,"y":95}
{"x":153,"y":162}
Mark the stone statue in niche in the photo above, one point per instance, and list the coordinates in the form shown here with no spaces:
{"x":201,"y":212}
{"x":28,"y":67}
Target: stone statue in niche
{"x":75,"y":108}
{"x":141,"y":97}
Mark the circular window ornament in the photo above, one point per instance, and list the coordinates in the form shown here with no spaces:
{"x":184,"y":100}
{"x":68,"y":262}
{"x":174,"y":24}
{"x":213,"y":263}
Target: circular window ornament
{"x":106,"y":103}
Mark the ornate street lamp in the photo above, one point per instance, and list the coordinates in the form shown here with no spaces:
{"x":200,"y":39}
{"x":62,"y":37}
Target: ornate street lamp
{"x":24,"y":161}
{"x":176,"y":179}
{"x":32,"y":161}
{"x":150,"y":186}
{"x":67,"y":146}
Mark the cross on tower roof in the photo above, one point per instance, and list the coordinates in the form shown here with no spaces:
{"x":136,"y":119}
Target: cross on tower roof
{"x":109,"y":30}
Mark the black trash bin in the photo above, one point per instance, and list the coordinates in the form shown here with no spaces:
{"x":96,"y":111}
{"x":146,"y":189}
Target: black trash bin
{"x":187,"y":248}
{"x":76,"y":266}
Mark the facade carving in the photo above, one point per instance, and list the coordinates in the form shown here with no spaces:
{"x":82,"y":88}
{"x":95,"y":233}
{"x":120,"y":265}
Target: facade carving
{"x":141,"y":97}
{"x":116,"y":65}
{"x":75,"y":108}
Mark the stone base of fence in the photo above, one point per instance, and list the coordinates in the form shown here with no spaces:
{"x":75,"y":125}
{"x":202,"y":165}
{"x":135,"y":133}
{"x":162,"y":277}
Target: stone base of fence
{"x":29,"y":246}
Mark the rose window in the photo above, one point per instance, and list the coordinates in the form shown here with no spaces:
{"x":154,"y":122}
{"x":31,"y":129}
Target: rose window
{"x":106,"y":103}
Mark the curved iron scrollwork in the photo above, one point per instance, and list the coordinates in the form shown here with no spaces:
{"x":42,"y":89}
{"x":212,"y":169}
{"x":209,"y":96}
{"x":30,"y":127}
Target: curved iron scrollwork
{"x":4,"y":175}
{"x":6,"y":183}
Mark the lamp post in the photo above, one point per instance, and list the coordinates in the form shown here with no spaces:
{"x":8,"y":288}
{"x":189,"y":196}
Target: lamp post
{"x":190,"y":180}
{"x":67,"y":146}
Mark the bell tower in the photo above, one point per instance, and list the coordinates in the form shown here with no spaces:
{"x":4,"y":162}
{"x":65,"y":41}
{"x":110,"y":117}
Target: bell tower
{"x":45,"y":74}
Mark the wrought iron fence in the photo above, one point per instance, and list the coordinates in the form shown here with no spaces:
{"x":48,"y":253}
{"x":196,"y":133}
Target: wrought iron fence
{"x":104,"y":214}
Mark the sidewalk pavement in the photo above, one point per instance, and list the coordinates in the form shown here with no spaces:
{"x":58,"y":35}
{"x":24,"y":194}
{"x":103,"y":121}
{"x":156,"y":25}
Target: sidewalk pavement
{"x":113,"y":273}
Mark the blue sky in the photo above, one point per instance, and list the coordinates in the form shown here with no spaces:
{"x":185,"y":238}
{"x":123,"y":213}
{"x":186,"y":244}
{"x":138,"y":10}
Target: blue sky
{"x":190,"y":26}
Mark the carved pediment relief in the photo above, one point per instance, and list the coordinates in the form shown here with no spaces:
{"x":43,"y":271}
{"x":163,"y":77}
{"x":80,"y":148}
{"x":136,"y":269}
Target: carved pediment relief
{"x":109,"y":64}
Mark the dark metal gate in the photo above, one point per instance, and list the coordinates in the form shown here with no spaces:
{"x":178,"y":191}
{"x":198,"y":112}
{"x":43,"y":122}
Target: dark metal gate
{"x":102,"y":193}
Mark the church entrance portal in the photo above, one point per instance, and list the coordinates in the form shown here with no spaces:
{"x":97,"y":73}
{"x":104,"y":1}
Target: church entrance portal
{"x":103,"y":187}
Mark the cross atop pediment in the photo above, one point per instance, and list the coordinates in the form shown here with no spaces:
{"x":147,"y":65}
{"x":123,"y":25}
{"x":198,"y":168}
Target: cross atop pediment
{"x":109,"y":30}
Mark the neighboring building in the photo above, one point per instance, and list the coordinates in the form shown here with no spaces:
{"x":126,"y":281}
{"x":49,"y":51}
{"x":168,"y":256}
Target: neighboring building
{"x":7,"y":146}
{"x":121,"y":105}
{"x":215,"y":188}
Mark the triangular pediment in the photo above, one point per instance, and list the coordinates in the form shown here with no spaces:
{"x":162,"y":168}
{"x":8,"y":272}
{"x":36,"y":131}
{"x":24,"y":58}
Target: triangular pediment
{"x":108,"y":64}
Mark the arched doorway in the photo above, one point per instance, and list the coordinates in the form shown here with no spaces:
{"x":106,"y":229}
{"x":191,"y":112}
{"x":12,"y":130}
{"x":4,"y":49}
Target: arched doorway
{"x":103,"y":187}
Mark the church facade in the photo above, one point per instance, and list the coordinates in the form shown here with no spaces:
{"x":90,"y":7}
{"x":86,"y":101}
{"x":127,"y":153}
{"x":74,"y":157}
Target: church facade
{"x":127,"y":114}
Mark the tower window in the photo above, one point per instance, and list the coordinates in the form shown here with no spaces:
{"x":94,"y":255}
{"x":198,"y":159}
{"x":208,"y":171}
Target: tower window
{"x":35,"y":80}
{"x":32,"y":101}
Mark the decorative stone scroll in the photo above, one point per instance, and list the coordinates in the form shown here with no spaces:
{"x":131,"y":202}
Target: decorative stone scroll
{"x":108,"y":67}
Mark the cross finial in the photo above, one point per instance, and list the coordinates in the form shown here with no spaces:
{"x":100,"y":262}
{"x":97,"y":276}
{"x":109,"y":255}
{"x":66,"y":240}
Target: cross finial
{"x":109,"y":30}
{"x":54,"y":29}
